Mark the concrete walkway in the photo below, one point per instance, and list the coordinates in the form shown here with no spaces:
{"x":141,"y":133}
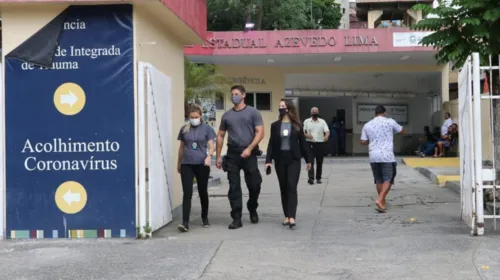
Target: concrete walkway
{"x":338,"y":236}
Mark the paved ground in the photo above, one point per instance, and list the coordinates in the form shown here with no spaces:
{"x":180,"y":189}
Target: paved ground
{"x":338,"y":236}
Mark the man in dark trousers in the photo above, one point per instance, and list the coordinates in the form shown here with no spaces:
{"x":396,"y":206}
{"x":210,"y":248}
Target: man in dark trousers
{"x":317,"y":133}
{"x":245,"y":128}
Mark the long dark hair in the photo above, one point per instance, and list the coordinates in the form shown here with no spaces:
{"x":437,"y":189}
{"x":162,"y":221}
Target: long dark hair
{"x":293,"y":115}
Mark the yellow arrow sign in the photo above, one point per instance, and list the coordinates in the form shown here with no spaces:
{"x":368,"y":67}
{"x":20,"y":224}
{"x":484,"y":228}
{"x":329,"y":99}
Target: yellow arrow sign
{"x":71,"y":197}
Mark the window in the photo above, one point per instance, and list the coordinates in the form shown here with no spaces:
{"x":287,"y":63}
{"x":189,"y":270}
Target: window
{"x":259,"y":100}
{"x":436,"y":104}
{"x":219,"y":102}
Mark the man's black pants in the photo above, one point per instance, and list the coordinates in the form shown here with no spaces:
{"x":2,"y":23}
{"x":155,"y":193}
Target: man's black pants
{"x":318,"y":149}
{"x":188,"y":173}
{"x":253,"y":179}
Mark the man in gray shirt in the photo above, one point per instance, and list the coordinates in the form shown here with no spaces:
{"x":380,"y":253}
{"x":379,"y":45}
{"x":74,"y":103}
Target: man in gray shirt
{"x":245,"y":127}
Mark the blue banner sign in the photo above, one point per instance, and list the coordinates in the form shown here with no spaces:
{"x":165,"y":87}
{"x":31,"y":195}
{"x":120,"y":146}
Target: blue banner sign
{"x":70,"y":141}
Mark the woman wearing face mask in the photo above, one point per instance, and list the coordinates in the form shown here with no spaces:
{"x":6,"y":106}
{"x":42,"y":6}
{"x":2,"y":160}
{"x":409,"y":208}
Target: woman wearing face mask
{"x":286,"y":147}
{"x":195,"y":155}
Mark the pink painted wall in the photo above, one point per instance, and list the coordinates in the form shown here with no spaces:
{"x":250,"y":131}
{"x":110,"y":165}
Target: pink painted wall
{"x":192,"y":12}
{"x":301,"y":42}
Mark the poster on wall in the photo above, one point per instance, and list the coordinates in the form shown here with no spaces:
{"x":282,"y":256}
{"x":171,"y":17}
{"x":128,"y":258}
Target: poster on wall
{"x":208,"y":108}
{"x":399,"y":113}
{"x":70,"y":141}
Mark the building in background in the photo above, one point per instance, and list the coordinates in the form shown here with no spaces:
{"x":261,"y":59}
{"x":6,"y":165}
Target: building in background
{"x":345,"y":10}
{"x":385,"y":13}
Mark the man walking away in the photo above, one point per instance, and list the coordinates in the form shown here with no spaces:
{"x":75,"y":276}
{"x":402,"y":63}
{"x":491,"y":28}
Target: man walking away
{"x":317,"y":132}
{"x":379,"y":135}
{"x":245,"y":127}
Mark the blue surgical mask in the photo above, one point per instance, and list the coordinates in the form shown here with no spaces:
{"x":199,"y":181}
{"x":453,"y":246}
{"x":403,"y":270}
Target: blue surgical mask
{"x":236,"y":99}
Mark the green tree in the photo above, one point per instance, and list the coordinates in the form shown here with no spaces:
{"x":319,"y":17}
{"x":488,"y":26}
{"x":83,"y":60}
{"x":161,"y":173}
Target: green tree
{"x":326,"y":14}
{"x":460,"y":29}
{"x":202,"y":81}
{"x":231,"y":15}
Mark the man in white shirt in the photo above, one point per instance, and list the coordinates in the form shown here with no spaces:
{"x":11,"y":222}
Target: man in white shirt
{"x":317,"y":132}
{"x":447,"y":123}
{"x":379,"y":135}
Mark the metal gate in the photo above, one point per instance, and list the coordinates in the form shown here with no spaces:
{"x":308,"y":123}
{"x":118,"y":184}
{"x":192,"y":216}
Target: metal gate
{"x":478,"y":183}
{"x":466,"y":145}
{"x":155,"y":148}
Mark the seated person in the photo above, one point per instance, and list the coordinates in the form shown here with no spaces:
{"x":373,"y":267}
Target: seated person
{"x":427,"y":143}
{"x":446,"y":141}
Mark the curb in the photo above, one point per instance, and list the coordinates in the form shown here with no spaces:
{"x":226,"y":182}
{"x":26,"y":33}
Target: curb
{"x":428,"y":174}
{"x":454,"y":186}
{"x":441,"y":182}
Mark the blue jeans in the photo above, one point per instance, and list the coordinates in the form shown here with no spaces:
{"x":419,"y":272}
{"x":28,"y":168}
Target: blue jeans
{"x":429,"y":150}
{"x":422,"y":147}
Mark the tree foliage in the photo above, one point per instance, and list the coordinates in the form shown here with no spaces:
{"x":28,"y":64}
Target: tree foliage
{"x":231,"y":15}
{"x":461,"y":27}
{"x":203,"y":81}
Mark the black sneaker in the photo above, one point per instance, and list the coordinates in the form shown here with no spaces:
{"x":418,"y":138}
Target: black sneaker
{"x":205,"y":223}
{"x":318,"y":181}
{"x":235,"y":224}
{"x":254,"y":217}
{"x":183,"y":228}
{"x":310,"y":181}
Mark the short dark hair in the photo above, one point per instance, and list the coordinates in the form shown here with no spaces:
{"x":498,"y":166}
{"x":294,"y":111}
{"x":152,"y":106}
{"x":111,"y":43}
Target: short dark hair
{"x":238,"y":87}
{"x":380,"y":110}
{"x":447,"y":114}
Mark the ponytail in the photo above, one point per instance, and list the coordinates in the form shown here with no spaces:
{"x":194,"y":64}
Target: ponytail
{"x":186,"y":127}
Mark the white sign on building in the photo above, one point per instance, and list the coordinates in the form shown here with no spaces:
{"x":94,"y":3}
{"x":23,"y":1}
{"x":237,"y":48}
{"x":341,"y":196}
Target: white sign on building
{"x":408,"y":39}
{"x":399,"y":113}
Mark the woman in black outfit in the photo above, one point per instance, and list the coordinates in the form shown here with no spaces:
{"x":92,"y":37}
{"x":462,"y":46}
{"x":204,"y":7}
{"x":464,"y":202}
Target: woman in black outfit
{"x":286,"y":147}
{"x":194,"y":158}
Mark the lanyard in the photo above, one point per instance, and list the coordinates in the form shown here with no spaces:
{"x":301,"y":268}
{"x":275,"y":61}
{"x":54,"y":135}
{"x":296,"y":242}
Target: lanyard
{"x":195,"y":137}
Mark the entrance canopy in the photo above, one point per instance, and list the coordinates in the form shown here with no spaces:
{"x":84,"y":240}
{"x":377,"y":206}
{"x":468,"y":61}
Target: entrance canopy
{"x":345,"y":73}
{"x":314,"y":47}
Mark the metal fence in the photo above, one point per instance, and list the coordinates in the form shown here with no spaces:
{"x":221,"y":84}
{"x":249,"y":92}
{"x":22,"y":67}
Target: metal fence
{"x":479,"y":185}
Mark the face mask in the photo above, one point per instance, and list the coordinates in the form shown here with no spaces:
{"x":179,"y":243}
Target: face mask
{"x":282,"y":112}
{"x":315,"y":116}
{"x":195,"y":122}
{"x":236,"y":99}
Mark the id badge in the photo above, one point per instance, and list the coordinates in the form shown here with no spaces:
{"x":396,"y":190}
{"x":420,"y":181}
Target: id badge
{"x":194,"y":145}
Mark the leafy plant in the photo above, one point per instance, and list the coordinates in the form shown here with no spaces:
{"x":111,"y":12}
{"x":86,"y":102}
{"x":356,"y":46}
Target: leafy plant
{"x":461,"y":27}
{"x":138,"y":233}
{"x":203,"y":81}
{"x":147,"y":229}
